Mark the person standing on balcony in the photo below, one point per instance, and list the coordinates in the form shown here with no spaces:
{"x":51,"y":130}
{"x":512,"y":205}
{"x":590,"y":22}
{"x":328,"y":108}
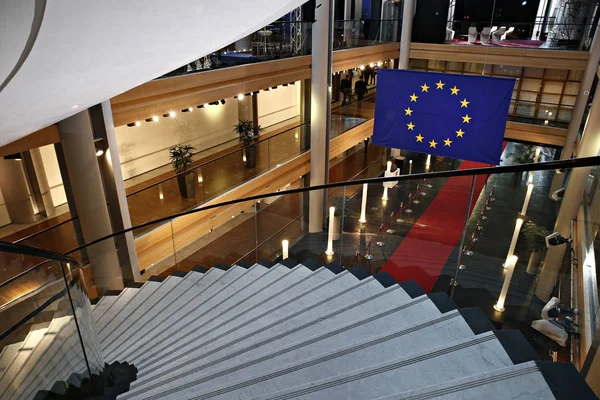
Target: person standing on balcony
{"x":346,"y":88}
{"x":360,"y":88}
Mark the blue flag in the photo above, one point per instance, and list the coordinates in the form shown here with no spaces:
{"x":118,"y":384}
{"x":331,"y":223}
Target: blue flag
{"x":457,"y":116}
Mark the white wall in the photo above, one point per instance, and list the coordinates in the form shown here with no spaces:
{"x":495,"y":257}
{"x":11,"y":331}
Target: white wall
{"x":146,"y":147}
{"x":278,"y":104}
{"x":4,"y":217}
{"x":57,"y":190}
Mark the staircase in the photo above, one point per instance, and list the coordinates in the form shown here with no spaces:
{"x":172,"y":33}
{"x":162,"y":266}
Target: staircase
{"x":283,"y":331}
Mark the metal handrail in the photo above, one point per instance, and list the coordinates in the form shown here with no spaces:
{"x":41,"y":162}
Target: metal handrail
{"x":573,"y":163}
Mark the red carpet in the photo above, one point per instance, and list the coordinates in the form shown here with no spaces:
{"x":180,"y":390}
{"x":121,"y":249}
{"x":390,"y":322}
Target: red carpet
{"x":424,"y":251}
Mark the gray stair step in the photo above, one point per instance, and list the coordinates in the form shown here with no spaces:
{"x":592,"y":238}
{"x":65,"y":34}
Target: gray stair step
{"x":121,"y":301}
{"x":416,"y":324}
{"x":477,"y":354}
{"x":192,"y":284}
{"x":100,"y":308}
{"x":360,"y":298}
{"x":134,"y":315}
{"x":117,"y":318}
{"x":530,"y":380}
{"x":192,"y":315}
{"x":164,"y":304}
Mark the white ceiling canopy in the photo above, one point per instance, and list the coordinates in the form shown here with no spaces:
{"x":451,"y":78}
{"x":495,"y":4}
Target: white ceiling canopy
{"x":58,"y":57}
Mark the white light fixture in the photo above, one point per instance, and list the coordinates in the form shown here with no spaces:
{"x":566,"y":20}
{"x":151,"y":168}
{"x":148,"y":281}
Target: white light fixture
{"x":190,"y":109}
{"x":499,"y":306}
{"x":409,"y":167}
{"x":171,"y":114}
{"x":546,"y":122}
{"x":385,"y":188}
{"x":138,"y":123}
{"x":75,"y":106}
{"x":363,"y":206}
{"x":155,"y":118}
{"x":99,"y":152}
{"x":371,"y":65}
{"x":296,"y":135}
{"x":206,"y":105}
{"x":329,"y":250}
{"x":285,"y":244}
{"x":200,"y":179}
{"x":428,"y":161}
{"x":362,"y":67}
{"x":240,"y":96}
{"x":244,"y":158}
{"x":379,"y":64}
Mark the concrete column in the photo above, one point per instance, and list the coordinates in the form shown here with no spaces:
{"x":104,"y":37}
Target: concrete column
{"x":320,"y":110}
{"x":13,"y":181}
{"x":578,"y":179}
{"x":245,"y":108}
{"x":42,"y":182}
{"x":77,"y":139}
{"x":305,"y":91}
{"x":407,"y":22}
{"x":582,"y":97}
{"x":112,"y":177}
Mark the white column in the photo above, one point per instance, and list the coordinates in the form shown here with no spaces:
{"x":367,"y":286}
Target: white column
{"x":589,"y":147}
{"x":320,"y":111}
{"x":363,"y":206}
{"x":583,"y":95}
{"x":329,"y":251}
{"x":407,"y":24}
{"x":16,"y":193}
{"x":499,"y":306}
{"x":388,"y":170}
{"x":77,"y":139}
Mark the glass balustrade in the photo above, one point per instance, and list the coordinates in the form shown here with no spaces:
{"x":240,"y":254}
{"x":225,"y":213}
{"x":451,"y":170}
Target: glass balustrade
{"x":46,"y":327}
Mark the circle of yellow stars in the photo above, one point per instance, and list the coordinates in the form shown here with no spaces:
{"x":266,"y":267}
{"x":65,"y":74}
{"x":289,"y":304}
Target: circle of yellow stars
{"x":463,"y":104}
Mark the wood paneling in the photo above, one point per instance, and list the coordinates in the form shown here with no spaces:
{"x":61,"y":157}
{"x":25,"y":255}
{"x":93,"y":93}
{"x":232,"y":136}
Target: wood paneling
{"x":39,"y":138}
{"x":163,"y":95}
{"x":501,"y":55}
{"x":351,"y":58}
{"x":535,"y":133}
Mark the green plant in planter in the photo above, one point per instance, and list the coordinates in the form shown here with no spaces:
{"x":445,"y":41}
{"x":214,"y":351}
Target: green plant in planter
{"x":181,"y":158}
{"x":522,"y":154}
{"x":341,"y":203}
{"x":535,"y":237}
{"x":248,"y":135}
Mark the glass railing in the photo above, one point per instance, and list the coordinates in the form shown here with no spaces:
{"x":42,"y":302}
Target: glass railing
{"x":450,"y":231}
{"x":533,"y":35}
{"x":281,"y":40}
{"x":364,"y":32}
{"x":47,"y":335}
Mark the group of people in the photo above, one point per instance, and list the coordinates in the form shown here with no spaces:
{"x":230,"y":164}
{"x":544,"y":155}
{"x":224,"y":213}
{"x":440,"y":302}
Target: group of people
{"x":367,"y":77}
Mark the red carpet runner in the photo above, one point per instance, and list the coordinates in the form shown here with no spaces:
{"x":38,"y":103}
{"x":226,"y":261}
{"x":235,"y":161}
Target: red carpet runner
{"x":424,"y":251}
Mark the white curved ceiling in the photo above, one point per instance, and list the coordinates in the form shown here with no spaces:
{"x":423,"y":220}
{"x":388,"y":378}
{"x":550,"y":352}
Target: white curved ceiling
{"x":58,"y":57}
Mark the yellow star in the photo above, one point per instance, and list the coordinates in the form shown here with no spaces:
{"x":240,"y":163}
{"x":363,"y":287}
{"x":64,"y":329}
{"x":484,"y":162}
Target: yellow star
{"x":411,"y":127}
{"x":440,"y":85}
{"x":464,"y":103}
{"x":414,"y":97}
{"x":419,"y":138}
{"x":447,"y":142}
{"x":408,"y":111}
{"x":425,"y":88}
{"x":460,"y":133}
{"x":455,"y":90}
{"x":466,"y":119}
{"x":433,"y":143}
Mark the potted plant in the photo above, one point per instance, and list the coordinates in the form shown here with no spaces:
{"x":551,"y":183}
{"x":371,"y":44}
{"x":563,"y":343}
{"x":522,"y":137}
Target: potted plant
{"x":535,"y":236}
{"x":181,"y":159}
{"x":248,"y":135}
{"x":522,"y":154}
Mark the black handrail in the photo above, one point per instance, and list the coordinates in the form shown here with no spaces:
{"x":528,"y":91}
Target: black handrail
{"x":573,"y":163}
{"x":34,"y":252}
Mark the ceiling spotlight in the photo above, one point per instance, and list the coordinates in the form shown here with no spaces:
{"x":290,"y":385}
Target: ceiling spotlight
{"x":206,"y":105}
{"x":131,"y":124}
{"x":154,"y":118}
{"x":274,"y":87}
{"x":223,"y":101}
{"x":371,"y":65}
{"x":99,"y":152}
{"x":200,"y":106}
{"x":187,"y":109}
{"x":362,"y":67}
{"x":292,"y":83}
{"x":285,"y":84}
{"x":137,"y":123}
{"x":214,"y":103}
{"x":171,"y":114}
{"x":256,"y":92}
{"x":248,"y":94}
{"x":379,"y":64}
{"x":240,"y":96}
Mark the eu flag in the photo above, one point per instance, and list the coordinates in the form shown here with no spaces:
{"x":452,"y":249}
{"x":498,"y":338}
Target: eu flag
{"x":457,"y":116}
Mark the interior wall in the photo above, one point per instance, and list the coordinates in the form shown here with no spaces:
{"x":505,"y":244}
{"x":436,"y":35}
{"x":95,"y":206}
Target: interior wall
{"x":55,"y":183}
{"x":146,"y":147}
{"x":278,"y":104}
{"x":4,"y":217}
